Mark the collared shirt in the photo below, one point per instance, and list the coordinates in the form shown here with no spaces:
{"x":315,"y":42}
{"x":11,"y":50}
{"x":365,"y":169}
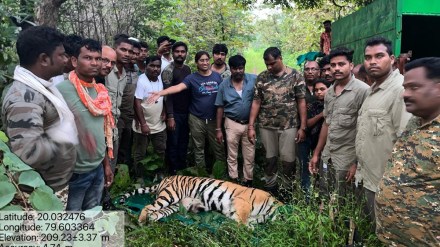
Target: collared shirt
{"x":165,"y":63}
{"x":115,"y":86}
{"x":341,"y":113}
{"x":127,"y":101}
{"x":279,"y":95}
{"x":408,"y":198}
{"x":235,"y":106}
{"x":382,"y":118}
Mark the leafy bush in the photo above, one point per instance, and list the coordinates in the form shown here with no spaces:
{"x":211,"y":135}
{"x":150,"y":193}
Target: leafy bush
{"x":15,"y":176}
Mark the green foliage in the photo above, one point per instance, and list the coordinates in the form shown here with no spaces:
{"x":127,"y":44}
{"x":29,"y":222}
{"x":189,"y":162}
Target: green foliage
{"x":219,"y":170}
{"x":42,"y":197}
{"x":122,"y":181}
{"x":8,"y":35}
{"x":194,"y":171}
{"x":7,"y":193}
{"x":300,"y":223}
{"x":306,"y":4}
{"x":204,"y":23}
{"x":152,"y":163}
{"x":103,"y":19}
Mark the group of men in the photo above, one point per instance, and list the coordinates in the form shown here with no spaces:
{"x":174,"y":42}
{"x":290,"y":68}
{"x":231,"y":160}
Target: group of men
{"x":76,"y":109}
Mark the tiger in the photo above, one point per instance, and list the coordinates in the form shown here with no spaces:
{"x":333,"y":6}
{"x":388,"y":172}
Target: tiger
{"x":242,"y":204}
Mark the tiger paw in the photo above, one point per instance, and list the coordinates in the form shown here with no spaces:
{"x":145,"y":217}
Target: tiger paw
{"x":143,"y":217}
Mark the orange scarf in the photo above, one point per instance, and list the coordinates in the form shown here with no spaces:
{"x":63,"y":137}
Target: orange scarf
{"x":100,"y":106}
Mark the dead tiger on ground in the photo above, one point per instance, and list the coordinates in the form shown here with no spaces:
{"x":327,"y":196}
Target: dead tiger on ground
{"x":242,"y":204}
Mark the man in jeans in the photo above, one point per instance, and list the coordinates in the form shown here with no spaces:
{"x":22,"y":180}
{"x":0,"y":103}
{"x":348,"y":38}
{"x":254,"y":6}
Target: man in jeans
{"x":281,"y":108}
{"x":234,"y":100}
{"x":203,"y":85}
{"x":177,"y":109}
{"x":95,"y":123}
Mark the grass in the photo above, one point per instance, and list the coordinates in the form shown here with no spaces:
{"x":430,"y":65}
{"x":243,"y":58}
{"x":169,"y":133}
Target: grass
{"x":303,"y":223}
{"x":299,"y":224}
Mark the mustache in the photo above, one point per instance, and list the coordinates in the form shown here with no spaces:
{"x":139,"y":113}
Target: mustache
{"x":407,"y":100}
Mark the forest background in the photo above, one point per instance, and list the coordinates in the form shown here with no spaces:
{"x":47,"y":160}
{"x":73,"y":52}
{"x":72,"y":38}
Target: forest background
{"x":247,"y":27}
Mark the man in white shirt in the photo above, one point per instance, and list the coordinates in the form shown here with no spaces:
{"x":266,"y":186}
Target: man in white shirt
{"x":149,"y":124}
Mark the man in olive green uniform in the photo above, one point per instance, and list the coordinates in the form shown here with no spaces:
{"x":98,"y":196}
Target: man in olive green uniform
{"x":341,"y":106}
{"x":382,"y":118}
{"x":407,"y":201}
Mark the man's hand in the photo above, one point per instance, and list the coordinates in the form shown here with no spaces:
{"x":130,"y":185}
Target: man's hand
{"x":351,"y":172}
{"x":219,"y":136}
{"x":163,"y":117}
{"x":164,"y":47}
{"x":300,"y":136}
{"x":251,"y":136}
{"x":171,"y":124}
{"x":108,"y":176}
{"x":154,"y":96}
{"x":145,"y":129}
{"x":313,"y":164}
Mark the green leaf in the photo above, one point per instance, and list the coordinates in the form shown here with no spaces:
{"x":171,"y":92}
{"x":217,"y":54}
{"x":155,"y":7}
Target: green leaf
{"x":42,"y":200}
{"x":3,"y":177}
{"x":14,"y":163}
{"x":7,"y":193}
{"x":12,"y":208}
{"x":3,"y":137}
{"x":219,"y":170}
{"x":46,"y":188}
{"x":4,"y":147}
{"x":31,"y":178}
{"x":152,"y":167}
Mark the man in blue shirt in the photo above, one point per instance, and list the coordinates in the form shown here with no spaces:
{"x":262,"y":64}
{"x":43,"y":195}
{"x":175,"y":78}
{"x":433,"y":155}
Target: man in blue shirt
{"x":203,"y":85}
{"x":234,"y":100}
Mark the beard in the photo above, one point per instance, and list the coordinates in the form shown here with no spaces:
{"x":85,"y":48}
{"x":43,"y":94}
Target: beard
{"x":237,"y":77}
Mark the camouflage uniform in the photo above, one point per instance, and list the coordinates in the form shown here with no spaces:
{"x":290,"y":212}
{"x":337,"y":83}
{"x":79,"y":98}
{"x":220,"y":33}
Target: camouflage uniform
{"x":278,"y":121}
{"x":27,"y":115}
{"x":226,"y":73}
{"x":407,"y":201}
{"x":278,"y":110}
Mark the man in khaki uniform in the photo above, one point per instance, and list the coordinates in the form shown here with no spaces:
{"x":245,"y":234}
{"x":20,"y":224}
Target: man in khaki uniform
{"x":341,"y":106}
{"x":382,"y":117}
{"x":115,"y":83}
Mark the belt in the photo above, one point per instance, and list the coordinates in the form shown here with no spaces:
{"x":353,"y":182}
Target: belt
{"x":240,"y":121}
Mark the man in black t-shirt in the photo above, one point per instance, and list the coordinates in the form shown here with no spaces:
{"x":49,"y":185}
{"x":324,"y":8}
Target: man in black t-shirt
{"x":177,"y":109}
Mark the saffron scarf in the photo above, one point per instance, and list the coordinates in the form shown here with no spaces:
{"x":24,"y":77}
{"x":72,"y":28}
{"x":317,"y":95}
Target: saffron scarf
{"x":100,"y":106}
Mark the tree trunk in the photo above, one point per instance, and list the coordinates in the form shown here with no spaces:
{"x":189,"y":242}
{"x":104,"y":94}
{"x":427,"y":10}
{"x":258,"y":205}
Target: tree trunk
{"x":46,"y":12}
